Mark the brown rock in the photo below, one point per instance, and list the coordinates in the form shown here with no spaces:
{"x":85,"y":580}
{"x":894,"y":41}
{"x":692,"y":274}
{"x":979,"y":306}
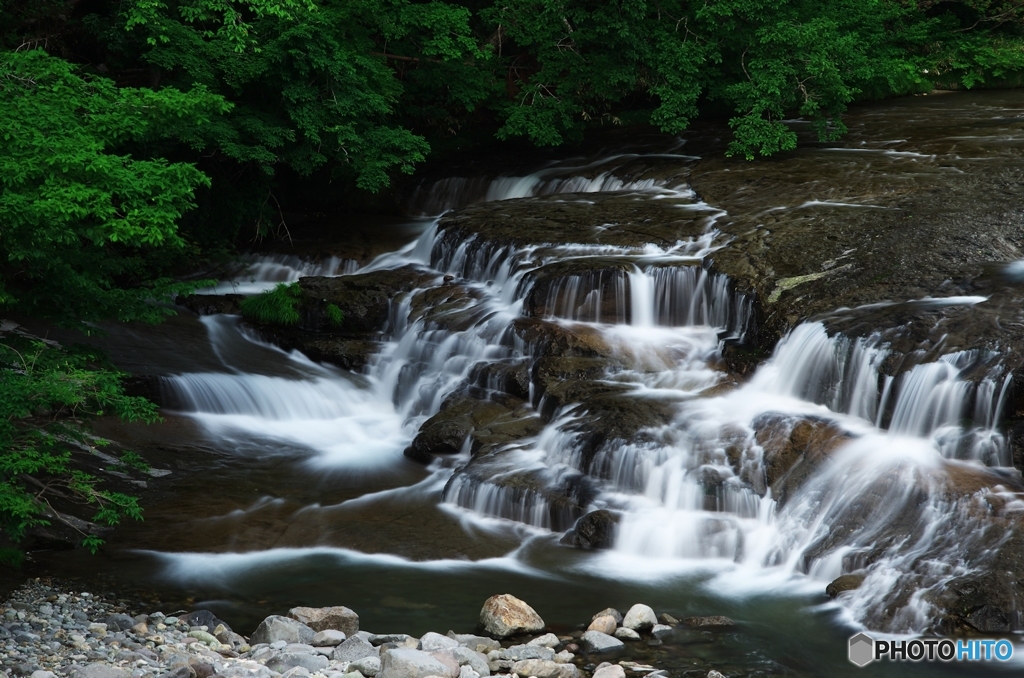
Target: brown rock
{"x":505,"y":615}
{"x":322,"y":618}
{"x":604,"y":624}
{"x":845,"y":582}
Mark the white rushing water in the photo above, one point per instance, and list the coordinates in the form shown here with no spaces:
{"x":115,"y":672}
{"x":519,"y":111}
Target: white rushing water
{"x":695,"y":492}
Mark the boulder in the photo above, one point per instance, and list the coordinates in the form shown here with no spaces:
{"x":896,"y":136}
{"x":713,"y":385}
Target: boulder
{"x":640,"y":618}
{"x":338,"y":618}
{"x":622,"y":633}
{"x":328,"y":638}
{"x":661,"y":631}
{"x":844,"y":582}
{"x":368,"y":666}
{"x":522,"y":652}
{"x":605,"y":624}
{"x":505,"y":615}
{"x":289,"y":660}
{"x":405,"y":662}
{"x":611,"y":612}
{"x":597,"y":642}
{"x":595,"y":530}
{"x":547,"y":640}
{"x":542,"y":668}
{"x":353,"y":649}
{"x":475,"y":660}
{"x":431,"y":642}
{"x":277,"y":628}
{"x":611,"y":671}
{"x":476,"y":643}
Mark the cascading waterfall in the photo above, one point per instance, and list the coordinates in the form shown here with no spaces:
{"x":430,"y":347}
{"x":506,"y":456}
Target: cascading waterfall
{"x":696,"y":489}
{"x":263,"y":272}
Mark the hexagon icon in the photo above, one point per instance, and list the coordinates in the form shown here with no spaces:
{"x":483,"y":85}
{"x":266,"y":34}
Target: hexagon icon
{"x":862,"y":649}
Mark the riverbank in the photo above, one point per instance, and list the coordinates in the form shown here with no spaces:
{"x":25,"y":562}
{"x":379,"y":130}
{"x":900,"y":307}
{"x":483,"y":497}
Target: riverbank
{"x":49,"y":629}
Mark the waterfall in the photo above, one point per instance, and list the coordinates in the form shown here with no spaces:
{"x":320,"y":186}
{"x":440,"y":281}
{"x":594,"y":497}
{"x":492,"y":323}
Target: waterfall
{"x":263,"y":272}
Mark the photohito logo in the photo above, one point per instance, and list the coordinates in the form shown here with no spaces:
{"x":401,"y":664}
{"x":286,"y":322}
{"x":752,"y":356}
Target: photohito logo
{"x":864,"y":649}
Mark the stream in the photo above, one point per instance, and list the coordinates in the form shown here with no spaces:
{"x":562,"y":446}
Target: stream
{"x":596,"y":305}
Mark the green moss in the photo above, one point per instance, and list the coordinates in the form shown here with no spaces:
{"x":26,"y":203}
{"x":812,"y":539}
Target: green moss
{"x":274,"y":307}
{"x":335,"y":316}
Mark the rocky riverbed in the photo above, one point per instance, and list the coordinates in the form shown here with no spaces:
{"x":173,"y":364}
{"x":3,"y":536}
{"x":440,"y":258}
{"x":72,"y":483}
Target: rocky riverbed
{"x":48,"y":630}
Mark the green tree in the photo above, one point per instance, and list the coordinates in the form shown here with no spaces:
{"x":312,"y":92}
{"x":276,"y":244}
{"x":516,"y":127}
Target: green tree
{"x":84,"y":221}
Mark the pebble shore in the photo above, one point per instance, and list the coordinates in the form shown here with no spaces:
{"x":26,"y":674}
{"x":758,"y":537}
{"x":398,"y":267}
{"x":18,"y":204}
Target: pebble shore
{"x":48,"y":631}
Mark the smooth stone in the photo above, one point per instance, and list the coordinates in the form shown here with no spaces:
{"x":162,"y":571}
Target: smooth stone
{"x":204,"y":637}
{"x":288,"y":660}
{"x":353,"y":649}
{"x":610,"y":671}
{"x":296,"y":672}
{"x":468,"y":657}
{"x":545,"y":669}
{"x":505,"y":615}
{"x":170,"y":621}
{"x":405,"y":662}
{"x":368,"y":666}
{"x":595,"y":641}
{"x":328,"y":638}
{"x":337,"y":617}
{"x":43,"y":674}
{"x":611,"y":612}
{"x":119,"y":622}
{"x":518,"y":653}
{"x":547,"y":640}
{"x":447,"y":658}
{"x":661,"y":631}
{"x":466,"y":672}
{"x":640,"y":618}
{"x":604,"y":624}
{"x":299,"y":647}
{"x":431,"y":642}
{"x":715,"y":674}
{"x":278,"y":645}
{"x":564,"y":657}
{"x":623,"y":633}
{"x":476,"y":643}
{"x":276,"y":628}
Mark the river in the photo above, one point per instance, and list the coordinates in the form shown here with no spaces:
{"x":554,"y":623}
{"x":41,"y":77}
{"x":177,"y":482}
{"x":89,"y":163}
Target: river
{"x":637,"y":351}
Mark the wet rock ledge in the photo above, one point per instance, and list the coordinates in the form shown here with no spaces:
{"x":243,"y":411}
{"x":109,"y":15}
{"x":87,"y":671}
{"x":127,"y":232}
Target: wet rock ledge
{"x":46,"y":630}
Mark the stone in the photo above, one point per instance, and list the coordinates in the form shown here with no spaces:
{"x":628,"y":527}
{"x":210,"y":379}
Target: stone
{"x":431,"y":642}
{"x":640,"y":618}
{"x":471,"y":658}
{"x":353,"y":649}
{"x":715,"y":674}
{"x":322,"y":618}
{"x":405,"y":662}
{"x":661,"y":631}
{"x":547,"y":640}
{"x":276,"y":628}
{"x":712,"y":622}
{"x":467,"y":672}
{"x":475,"y":643}
{"x":447,"y":658}
{"x":328,"y":638}
{"x":505,"y":615}
{"x":610,"y":671}
{"x":288,"y":660}
{"x":96,"y":670}
{"x":564,"y":657}
{"x":595,"y":641}
{"x":604,"y":624}
{"x":43,"y":674}
{"x":204,"y":618}
{"x":368,"y":666}
{"x":844,"y":582}
{"x":204,"y":637}
{"x":300,"y":647}
{"x":518,"y":653}
{"x":119,"y":622}
{"x":622,"y":633}
{"x":611,"y":612}
{"x":595,"y":530}
{"x":296,"y":672}
{"x":666,"y":618}
{"x":544,"y":669}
